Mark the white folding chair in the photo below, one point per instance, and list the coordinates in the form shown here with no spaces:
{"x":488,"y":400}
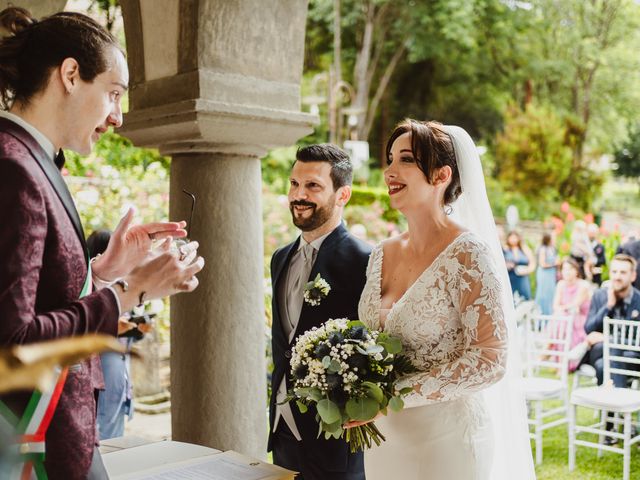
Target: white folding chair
{"x":547,"y":344}
{"x":619,"y":336}
{"x":586,"y":372}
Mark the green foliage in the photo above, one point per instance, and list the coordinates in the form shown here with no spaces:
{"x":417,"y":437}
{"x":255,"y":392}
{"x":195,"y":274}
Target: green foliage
{"x":276,"y":167}
{"x":534,"y":158}
{"x":531,"y":156}
{"x":118,"y":152}
{"x":466,"y":61}
{"x":328,"y":411}
{"x":362,"y":195}
{"x":627,"y":156}
{"x":362,"y":409}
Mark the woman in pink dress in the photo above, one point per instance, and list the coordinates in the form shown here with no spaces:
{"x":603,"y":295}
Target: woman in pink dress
{"x":573,"y":297}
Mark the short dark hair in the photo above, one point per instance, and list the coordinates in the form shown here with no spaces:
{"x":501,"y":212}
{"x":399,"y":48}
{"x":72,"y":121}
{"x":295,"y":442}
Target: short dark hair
{"x":35,"y":47}
{"x":574,"y":264}
{"x":432,"y":148}
{"x":546,"y":239}
{"x":341,"y":167}
{"x":623,"y":257}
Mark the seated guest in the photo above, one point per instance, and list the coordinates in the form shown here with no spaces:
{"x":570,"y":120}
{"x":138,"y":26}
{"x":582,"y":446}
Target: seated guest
{"x":621,"y":300}
{"x":572,"y":297}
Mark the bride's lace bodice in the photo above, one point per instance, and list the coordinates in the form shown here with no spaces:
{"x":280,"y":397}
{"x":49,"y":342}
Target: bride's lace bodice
{"x":451,"y":321}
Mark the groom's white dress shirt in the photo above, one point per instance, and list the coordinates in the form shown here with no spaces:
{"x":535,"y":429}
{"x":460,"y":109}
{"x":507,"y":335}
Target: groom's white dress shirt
{"x":290,"y":299}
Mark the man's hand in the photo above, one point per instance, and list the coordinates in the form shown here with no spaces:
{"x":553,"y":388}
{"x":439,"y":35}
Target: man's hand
{"x":125,"y":325}
{"x":612,"y":299}
{"x":129,"y":245}
{"x":593,"y":338}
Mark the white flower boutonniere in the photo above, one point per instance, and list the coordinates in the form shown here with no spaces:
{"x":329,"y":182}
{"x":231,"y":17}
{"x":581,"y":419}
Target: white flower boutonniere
{"x":635,"y":314}
{"x":316,"y":290}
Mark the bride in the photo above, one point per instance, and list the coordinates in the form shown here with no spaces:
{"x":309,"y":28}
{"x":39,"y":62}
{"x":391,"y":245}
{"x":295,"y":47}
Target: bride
{"x":442,"y":288}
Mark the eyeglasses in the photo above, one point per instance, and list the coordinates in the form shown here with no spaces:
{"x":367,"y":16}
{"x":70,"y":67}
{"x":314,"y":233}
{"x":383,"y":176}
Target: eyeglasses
{"x":193,"y":206}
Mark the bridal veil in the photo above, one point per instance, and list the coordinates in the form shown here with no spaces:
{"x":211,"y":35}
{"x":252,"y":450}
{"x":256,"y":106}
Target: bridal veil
{"x":512,"y":449}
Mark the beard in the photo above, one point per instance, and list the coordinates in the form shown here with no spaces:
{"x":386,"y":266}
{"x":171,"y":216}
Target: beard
{"x":621,"y":287}
{"x":319,"y":214}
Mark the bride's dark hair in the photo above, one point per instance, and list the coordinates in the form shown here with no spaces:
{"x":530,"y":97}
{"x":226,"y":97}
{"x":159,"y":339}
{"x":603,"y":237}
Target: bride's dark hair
{"x":432,"y":148}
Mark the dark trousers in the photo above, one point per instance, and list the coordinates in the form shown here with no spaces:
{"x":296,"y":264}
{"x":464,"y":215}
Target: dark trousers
{"x":594,"y":358}
{"x":291,"y":454}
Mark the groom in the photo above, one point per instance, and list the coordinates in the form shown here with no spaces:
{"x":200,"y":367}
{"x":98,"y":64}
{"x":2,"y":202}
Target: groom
{"x":320,"y":187}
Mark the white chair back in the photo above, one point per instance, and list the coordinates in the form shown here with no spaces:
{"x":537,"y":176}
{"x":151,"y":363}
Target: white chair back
{"x":547,"y":343}
{"x":620,"y":336}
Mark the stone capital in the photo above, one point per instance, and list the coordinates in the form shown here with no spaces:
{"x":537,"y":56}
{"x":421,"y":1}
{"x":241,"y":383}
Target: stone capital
{"x":214,"y":73}
{"x":195,"y":125}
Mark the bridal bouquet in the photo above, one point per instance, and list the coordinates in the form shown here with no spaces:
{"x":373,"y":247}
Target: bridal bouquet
{"x":349,"y":373}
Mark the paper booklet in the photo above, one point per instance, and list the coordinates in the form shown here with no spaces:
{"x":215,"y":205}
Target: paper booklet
{"x":181,"y":461}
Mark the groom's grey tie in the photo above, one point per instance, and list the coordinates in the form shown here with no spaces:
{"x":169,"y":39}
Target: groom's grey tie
{"x":299,"y":272}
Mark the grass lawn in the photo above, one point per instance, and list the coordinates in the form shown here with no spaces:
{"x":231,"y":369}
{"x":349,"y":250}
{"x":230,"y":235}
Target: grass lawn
{"x":588,"y":466}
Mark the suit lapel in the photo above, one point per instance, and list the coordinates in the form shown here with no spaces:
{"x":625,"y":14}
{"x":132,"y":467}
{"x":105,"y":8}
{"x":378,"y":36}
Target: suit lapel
{"x":278,"y":277}
{"x":51,"y":172}
{"x":286,"y":257}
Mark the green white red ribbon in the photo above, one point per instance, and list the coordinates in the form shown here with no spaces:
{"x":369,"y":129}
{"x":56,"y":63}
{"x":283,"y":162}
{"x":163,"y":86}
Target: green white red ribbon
{"x":30,"y":430}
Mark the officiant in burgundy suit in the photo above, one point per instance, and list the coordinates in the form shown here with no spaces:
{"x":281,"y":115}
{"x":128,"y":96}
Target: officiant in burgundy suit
{"x":61,"y":83}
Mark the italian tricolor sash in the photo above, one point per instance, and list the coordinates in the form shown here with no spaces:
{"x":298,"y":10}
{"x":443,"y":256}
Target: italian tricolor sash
{"x":29,"y":441}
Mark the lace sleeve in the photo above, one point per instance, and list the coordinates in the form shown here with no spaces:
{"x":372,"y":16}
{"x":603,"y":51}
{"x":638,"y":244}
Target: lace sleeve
{"x":482,"y":359}
{"x":374,"y":263}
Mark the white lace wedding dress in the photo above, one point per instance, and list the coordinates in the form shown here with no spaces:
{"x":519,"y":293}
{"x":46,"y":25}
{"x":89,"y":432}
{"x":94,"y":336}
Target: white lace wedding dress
{"x":451,"y":323}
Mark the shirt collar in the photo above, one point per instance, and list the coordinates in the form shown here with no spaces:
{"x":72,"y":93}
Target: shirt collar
{"x":42,"y":140}
{"x":628,"y":298}
{"x":318,"y":241}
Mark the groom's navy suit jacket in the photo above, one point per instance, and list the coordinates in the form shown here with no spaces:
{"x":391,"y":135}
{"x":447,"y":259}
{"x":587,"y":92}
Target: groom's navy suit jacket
{"x":342,"y":262}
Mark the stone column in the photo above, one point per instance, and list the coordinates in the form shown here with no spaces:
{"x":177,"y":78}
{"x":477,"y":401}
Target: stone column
{"x":217,"y":333}
{"x":216,"y":90}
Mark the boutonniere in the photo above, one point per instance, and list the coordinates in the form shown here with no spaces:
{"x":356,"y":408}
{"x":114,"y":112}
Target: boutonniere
{"x":316,"y":290}
{"x":635,"y":314}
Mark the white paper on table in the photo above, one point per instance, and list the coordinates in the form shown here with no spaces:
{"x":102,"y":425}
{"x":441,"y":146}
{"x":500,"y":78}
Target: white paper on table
{"x":222,"y":466}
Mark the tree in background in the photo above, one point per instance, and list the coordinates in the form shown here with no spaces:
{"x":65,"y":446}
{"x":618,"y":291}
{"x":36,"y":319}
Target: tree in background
{"x":627,"y":157}
{"x":534,"y":157}
{"x":531,"y":154}
{"x":109,"y":10}
{"x":377,"y":37}
{"x":580,"y":56}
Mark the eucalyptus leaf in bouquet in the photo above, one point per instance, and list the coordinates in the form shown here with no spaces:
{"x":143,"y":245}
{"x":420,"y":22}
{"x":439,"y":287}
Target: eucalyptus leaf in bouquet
{"x":348,"y":373}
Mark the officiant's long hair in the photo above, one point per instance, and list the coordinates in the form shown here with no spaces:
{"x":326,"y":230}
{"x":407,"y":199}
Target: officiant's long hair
{"x":33,"y":48}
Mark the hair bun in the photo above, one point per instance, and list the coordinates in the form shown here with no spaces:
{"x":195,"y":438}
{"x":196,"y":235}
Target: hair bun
{"x":15,"y":19}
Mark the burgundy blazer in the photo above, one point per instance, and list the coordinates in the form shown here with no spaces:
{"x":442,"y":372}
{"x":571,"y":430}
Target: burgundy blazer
{"x":43,"y":266}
